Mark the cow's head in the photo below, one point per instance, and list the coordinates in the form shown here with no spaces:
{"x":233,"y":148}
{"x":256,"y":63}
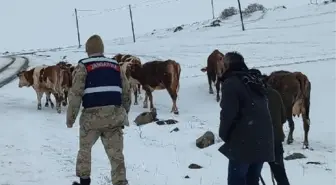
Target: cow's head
{"x":25,"y":78}
{"x":131,"y":69}
{"x":117,"y":57}
{"x":125,"y":68}
{"x":134,"y":68}
{"x":264,"y":78}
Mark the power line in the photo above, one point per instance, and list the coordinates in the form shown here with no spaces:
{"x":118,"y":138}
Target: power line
{"x":86,"y":10}
{"x":146,"y":3}
{"x":104,"y":11}
{"x":157,"y":4}
{"x":121,"y":7}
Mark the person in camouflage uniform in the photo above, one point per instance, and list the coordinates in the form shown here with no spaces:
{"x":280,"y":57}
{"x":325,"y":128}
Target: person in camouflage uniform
{"x":106,"y":98}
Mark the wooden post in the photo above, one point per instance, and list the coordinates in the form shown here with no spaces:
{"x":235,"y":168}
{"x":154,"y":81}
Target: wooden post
{"x":131,"y":16}
{"x":241,"y":16}
{"x":78,"y":34}
{"x":213,"y":10}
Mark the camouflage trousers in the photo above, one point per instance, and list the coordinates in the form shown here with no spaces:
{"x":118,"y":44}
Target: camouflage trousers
{"x":112,"y":139}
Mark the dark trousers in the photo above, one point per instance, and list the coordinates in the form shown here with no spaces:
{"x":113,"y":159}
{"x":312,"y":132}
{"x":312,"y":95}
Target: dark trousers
{"x":278,"y":166}
{"x":244,"y":174}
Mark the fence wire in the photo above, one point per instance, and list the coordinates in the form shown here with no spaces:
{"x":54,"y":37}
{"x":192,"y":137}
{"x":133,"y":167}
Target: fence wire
{"x":147,"y":15}
{"x":147,"y":3}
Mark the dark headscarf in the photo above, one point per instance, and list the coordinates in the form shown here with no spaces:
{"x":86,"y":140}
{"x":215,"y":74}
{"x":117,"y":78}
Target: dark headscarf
{"x":235,"y":61}
{"x":250,"y":77}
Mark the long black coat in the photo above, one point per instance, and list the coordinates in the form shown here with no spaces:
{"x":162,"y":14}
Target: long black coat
{"x":245,"y":124}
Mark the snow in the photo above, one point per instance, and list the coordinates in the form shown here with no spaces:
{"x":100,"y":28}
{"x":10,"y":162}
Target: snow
{"x":12,"y":69}
{"x":4,"y":62}
{"x":23,"y":30}
{"x":37,"y":148}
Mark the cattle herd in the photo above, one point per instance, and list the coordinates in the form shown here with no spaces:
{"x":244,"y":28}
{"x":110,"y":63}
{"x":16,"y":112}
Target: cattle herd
{"x":294,"y":87}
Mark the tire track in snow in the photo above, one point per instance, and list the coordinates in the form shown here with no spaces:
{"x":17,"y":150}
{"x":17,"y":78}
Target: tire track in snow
{"x":246,"y":43}
{"x":306,"y":16}
{"x":19,"y":63}
{"x":291,"y":26}
{"x":4,"y":67}
{"x":329,"y":59}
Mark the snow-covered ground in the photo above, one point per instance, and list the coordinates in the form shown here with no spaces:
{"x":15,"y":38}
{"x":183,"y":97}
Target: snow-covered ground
{"x":4,"y":62}
{"x":37,"y":148}
{"x":12,"y":69}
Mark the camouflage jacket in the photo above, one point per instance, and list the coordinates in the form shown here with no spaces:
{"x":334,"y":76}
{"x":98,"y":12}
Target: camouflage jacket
{"x":77,"y":92}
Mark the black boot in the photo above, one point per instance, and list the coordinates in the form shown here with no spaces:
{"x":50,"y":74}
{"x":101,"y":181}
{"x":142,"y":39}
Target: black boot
{"x":82,"y":182}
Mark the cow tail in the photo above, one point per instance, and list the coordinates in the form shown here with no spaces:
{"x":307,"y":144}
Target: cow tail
{"x":305,"y":88}
{"x":307,"y":100}
{"x":178,"y":73}
{"x":59,"y":82}
{"x":69,"y":78}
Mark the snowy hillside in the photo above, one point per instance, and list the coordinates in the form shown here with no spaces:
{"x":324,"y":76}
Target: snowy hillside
{"x":37,"y":148}
{"x":38,"y":24}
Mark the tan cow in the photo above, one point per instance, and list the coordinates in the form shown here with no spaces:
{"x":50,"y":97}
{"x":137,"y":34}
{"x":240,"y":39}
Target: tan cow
{"x":32,"y":78}
{"x":125,"y":60}
{"x":157,"y":75}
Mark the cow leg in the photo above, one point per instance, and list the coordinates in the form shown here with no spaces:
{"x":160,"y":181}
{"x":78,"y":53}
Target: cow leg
{"x":39,"y":97}
{"x":173,"y":95}
{"x":139,"y":90}
{"x":47,"y":102}
{"x":150,"y":96}
{"x":291,"y":126}
{"x":58,"y":102}
{"x":48,"y":99}
{"x":210,"y":84}
{"x":145,"y":102}
{"x":217,"y":90}
{"x":306,"y":123}
{"x":306,"y":127}
{"x":65,"y":100}
{"x":135,"y":91}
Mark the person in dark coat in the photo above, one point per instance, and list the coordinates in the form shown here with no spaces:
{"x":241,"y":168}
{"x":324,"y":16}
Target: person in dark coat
{"x":278,"y":114}
{"x":245,"y":122}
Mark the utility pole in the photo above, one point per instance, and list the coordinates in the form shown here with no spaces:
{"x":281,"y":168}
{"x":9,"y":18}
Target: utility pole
{"x":213,"y":10}
{"x":131,"y":16}
{"x":241,"y":16}
{"x":78,"y":34}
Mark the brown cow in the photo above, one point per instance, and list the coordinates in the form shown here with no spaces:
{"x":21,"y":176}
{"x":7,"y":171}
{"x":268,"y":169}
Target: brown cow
{"x":123,"y":59}
{"x":294,"y":88}
{"x":158,"y":75}
{"x":214,"y":69}
{"x":67,"y":74}
{"x":52,"y":78}
{"x":32,"y":78}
